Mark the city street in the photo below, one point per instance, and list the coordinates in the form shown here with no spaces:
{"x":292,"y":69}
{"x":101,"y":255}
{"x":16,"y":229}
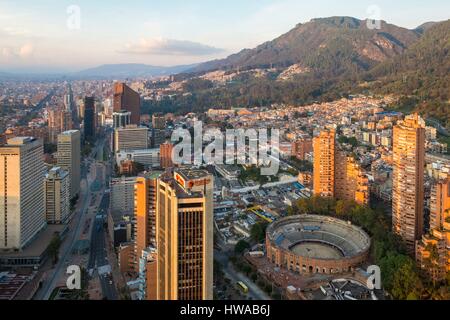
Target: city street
{"x":57,"y":275}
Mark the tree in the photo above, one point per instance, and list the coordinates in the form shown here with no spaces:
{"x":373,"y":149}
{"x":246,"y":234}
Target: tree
{"x":53,"y":248}
{"x":258,"y":232}
{"x":241,"y":246}
{"x":406,"y":283}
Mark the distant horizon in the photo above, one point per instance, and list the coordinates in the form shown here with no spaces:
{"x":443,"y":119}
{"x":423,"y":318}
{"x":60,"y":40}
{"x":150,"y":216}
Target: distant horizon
{"x":56,"y":37}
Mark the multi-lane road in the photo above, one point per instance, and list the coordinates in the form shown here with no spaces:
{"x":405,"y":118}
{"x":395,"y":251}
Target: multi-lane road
{"x":98,"y":255}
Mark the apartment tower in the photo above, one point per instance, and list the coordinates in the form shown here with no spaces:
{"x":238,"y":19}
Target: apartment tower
{"x":408,"y":179}
{"x":324,"y":163}
{"x":433,"y":251}
{"x":57,"y":196}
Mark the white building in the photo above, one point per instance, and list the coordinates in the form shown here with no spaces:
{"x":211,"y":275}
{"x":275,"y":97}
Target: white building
{"x":22,"y":213}
{"x":69,"y":158}
{"x":131,"y":137}
{"x":147,"y":157}
{"x":57,"y":196}
{"x":122,"y":197}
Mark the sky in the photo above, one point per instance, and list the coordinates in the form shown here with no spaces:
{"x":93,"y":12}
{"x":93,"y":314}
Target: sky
{"x":72,"y":35}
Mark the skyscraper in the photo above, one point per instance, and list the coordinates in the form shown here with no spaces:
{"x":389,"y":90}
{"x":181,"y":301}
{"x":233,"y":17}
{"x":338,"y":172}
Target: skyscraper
{"x":121,"y":119}
{"x":158,"y":121}
{"x":131,"y":137}
{"x":89,"y":118}
{"x":351,"y":183}
{"x":145,"y":211}
{"x":22,"y":213}
{"x":127,"y":99}
{"x":59,"y":120}
{"x":433,"y":251}
{"x":184,"y":235}
{"x":165,"y":151}
{"x":337,"y":174}
{"x":408,"y":179}
{"x":69,"y":158}
{"x":57,"y":196}
{"x":324,"y":163}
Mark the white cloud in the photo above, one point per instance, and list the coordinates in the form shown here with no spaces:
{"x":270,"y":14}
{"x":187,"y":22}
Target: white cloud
{"x":23,"y":52}
{"x":26,"y":50}
{"x":161,"y":46}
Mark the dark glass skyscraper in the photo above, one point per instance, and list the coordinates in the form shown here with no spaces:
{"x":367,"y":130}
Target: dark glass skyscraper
{"x":127,"y":99}
{"x":89,"y":118}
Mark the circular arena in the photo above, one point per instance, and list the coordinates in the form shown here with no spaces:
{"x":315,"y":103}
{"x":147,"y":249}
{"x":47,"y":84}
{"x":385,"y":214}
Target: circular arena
{"x":316,"y":244}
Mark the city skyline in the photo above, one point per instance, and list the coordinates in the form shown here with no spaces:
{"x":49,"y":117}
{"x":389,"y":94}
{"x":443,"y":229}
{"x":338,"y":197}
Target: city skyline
{"x":42,"y":37}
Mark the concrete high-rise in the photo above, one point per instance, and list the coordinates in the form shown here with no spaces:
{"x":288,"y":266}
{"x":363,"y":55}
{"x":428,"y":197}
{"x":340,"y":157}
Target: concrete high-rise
{"x":69,"y":158}
{"x":184,"y":235}
{"x":57,"y":196}
{"x":127,"y":99}
{"x":408,"y":180}
{"x":131,"y":137}
{"x":22,"y":213}
{"x":121,"y":119}
{"x":90,"y":118}
{"x":324,"y":163}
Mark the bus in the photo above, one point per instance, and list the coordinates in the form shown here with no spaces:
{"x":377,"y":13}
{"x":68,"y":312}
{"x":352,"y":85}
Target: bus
{"x":243,"y":287}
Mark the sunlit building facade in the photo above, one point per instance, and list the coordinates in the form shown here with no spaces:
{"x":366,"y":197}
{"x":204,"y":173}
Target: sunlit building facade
{"x":433,"y":250}
{"x":22,"y":201}
{"x":184,"y":235}
{"x":324,"y":163}
{"x":408,"y":180}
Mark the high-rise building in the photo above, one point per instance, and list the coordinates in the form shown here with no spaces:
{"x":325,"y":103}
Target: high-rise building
{"x":158,"y":137}
{"x":121,"y":119}
{"x":158,"y":121}
{"x":184,"y":235}
{"x":145,"y":193}
{"x":131,"y":137}
{"x":351,"y":182}
{"x":433,"y":251}
{"x":127,"y":99}
{"x":408,"y":179}
{"x":69,"y":158}
{"x":301,"y":147}
{"x":22,"y":213}
{"x":68,"y":100}
{"x":148,"y":264}
{"x":57,"y":196}
{"x":324,"y":163}
{"x":165,"y":151}
{"x":122,"y":197}
{"x":336,"y":173}
{"x":59,"y":120}
{"x":90,"y":118}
